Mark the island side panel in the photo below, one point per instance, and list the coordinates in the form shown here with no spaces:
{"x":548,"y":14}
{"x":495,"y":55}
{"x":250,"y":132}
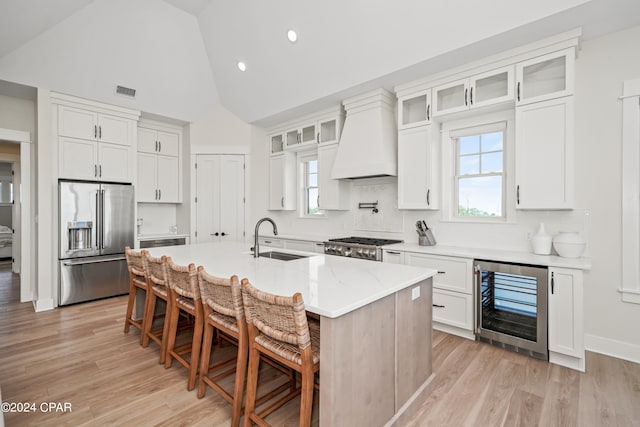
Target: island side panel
{"x":357,"y":366}
{"x":413,"y":337}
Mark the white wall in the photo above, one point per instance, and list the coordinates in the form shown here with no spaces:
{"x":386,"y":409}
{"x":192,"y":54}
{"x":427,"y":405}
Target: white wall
{"x":611,"y":325}
{"x":17,"y":114}
{"x":147,"y":45}
{"x":603,"y":65}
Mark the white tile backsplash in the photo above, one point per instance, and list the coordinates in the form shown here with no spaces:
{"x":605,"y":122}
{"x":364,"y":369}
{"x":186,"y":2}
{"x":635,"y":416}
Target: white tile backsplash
{"x":156,"y":218}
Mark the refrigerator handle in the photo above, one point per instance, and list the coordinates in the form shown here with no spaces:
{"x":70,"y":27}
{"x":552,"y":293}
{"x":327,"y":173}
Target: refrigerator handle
{"x":97,"y":229}
{"x":101,"y":219}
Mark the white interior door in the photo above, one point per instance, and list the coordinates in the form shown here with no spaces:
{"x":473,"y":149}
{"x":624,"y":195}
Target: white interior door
{"x":220,"y":197}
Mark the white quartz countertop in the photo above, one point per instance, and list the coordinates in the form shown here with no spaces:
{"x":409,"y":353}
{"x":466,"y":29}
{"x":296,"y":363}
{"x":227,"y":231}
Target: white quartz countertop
{"x":494,"y":255}
{"x":330,"y":285}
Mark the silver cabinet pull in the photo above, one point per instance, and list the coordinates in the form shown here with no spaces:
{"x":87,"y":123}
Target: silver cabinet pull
{"x":428,"y":198}
{"x":99,"y":132}
{"x":518,"y":91}
{"x":95,"y":131}
{"x":159,"y":194}
{"x":282,"y":202}
{"x":442,"y":272}
{"x":428,"y":111}
{"x":465,"y":97}
{"x":100,"y":171}
{"x":518,"y":195}
{"x":95,"y":170}
{"x":552,"y":283}
{"x":159,"y":146}
{"x":318,"y":137}
{"x":471,"y":96}
{"x":438,"y":305}
{"x":393,"y":252}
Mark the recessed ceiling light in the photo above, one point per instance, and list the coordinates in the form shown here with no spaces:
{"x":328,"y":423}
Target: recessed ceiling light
{"x":292,"y":36}
{"x":242,"y":66}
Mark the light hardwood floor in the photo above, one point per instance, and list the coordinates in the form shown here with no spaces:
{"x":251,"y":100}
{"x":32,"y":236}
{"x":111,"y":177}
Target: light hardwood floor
{"x":80,"y":355}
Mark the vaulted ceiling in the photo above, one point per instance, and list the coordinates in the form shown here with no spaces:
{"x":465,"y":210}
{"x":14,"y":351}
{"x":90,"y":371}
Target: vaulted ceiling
{"x":181,"y":55}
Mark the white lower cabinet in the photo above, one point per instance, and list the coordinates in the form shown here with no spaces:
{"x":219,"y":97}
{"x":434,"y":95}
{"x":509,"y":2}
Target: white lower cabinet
{"x":566,"y":317}
{"x":452,"y":291}
{"x":453,"y":308}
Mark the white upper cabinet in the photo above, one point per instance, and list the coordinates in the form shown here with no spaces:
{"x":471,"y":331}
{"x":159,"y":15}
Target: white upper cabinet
{"x":545,"y":77}
{"x":90,"y":125}
{"x":544,"y":155}
{"x":282,"y":182}
{"x":158,"y":141}
{"x":329,"y":129}
{"x":159,"y":165}
{"x":418,"y":169}
{"x":489,"y":88}
{"x":414,"y":110}
{"x":301,"y":135}
{"x":334,"y":194}
{"x":277,"y":143}
{"x":95,"y":141}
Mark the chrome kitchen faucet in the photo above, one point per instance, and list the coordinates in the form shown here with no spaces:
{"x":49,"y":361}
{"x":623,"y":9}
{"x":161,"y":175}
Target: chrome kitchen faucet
{"x":256,"y":251}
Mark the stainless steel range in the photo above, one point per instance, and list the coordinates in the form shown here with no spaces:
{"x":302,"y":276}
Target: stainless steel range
{"x":358,"y":247}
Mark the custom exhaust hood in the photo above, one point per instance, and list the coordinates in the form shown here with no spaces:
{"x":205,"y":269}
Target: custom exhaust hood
{"x":369,"y":141}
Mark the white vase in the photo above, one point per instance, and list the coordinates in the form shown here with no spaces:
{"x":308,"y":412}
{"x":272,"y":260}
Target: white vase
{"x":541,"y":241}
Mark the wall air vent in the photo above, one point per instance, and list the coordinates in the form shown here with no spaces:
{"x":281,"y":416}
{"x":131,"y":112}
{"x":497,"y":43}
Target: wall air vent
{"x":126,"y":91}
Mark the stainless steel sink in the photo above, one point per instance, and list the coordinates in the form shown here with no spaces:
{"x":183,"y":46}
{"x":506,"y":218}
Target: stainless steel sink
{"x":282,"y":255}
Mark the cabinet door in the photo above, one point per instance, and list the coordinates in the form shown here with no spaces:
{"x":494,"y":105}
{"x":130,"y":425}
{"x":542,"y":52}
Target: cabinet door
{"x":115,"y":163}
{"x":392,"y":257}
{"x":545,"y":77}
{"x":492,"y":87}
{"x":282,"y":182}
{"x":115,"y":130}
{"x":566,"y":316}
{"x":77,"y":123}
{"x":168,"y":143}
{"x":453,"y":308}
{"x":308,"y":133}
{"x":168,"y":179}
{"x":414,"y":110}
{"x":292,"y":137}
{"x":451,"y":97}
{"x":329,"y":130}
{"x":276,"y":143}
{"x":147,"y":140}
{"x":333,"y":193}
{"x":544,"y":155}
{"x":78,"y":159}
{"x":454,"y":274}
{"x":418,"y":169}
{"x":147,"y":176}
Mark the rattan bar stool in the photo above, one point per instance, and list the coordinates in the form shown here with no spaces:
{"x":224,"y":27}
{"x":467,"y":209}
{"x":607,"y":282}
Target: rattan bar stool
{"x":278,"y":327}
{"x":137,"y":280}
{"x":185,"y":297}
{"x":156,"y":275}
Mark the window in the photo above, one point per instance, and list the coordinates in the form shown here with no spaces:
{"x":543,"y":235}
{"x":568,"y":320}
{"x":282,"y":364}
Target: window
{"x":480,"y":175}
{"x":478,"y":163}
{"x":309,"y":179}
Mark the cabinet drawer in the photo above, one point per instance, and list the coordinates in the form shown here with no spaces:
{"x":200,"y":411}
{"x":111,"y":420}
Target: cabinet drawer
{"x":273,"y":243}
{"x":455,"y":274}
{"x":453,"y":308}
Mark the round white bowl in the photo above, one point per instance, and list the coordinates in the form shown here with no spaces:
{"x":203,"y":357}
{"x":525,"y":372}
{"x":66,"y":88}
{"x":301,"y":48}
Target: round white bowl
{"x":569,"y":244}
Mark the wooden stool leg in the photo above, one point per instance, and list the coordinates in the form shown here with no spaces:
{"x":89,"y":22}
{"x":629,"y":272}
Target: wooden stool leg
{"x":149,"y":308}
{"x":130,"y":302}
{"x":196,"y":343}
{"x":306,"y":398}
{"x":171,"y":334}
{"x":241,"y":373}
{"x":207,"y":340}
{"x":165,"y":330}
{"x":252,"y":386}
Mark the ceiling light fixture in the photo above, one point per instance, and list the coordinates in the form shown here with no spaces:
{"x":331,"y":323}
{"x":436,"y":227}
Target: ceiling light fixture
{"x":242,"y":66}
{"x":292,"y":36}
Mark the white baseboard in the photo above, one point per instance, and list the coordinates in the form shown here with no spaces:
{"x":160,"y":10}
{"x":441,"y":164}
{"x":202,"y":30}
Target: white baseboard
{"x":614,"y":348}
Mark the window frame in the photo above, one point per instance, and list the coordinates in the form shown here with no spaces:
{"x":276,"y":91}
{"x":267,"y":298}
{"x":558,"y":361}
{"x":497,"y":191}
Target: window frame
{"x":303,"y":209}
{"x":451,"y":130}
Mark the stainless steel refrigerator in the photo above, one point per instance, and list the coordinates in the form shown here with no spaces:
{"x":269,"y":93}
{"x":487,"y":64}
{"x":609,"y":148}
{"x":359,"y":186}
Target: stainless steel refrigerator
{"x":96,"y":223}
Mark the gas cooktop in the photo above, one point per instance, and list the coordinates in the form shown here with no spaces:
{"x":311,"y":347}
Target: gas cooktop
{"x":365,"y":241}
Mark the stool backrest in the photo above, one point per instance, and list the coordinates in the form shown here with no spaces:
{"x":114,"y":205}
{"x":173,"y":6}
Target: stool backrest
{"x":221,"y":295}
{"x":135,"y":263}
{"x":278,"y":317}
{"x":155,"y":270}
{"x":183,"y":279}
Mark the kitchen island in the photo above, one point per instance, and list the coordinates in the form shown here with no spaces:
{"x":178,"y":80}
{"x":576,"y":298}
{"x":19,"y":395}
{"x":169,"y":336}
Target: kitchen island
{"x":375,"y":321}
